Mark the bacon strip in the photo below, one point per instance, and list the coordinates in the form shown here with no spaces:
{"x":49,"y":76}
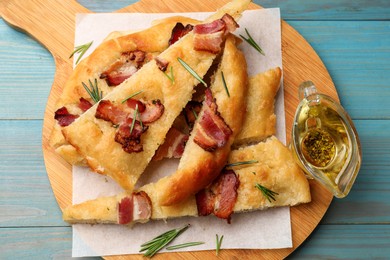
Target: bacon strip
{"x":130,"y":138}
{"x":136,"y":206}
{"x":128,"y":133}
{"x":161,"y":63}
{"x":125,"y":67}
{"x":110,"y":112}
{"x":179,"y":31}
{"x":63,"y":117}
{"x":213,"y":132}
{"x":84,"y":104}
{"x":230,"y":23}
{"x":173,"y":146}
{"x":210,"y":36}
{"x":220,"y":197}
{"x":152,"y":112}
{"x":208,"y":28}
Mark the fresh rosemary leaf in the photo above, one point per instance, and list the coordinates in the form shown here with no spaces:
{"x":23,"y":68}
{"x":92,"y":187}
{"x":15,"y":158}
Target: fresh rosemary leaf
{"x":93,"y":90}
{"x":134,"y":118}
{"x":170,"y":77}
{"x":218,"y":244}
{"x":241,"y":163}
{"x":191,"y":71}
{"x":224,"y":84}
{"x":195,"y":114}
{"x":156,"y":244}
{"x":80,"y":49}
{"x":183,"y":245}
{"x":252,"y":42}
{"x":267,"y":193}
{"x":131,"y":96}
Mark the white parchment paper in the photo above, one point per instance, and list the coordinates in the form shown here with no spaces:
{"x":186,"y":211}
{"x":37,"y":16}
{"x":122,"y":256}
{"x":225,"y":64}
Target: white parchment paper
{"x":247,"y":230}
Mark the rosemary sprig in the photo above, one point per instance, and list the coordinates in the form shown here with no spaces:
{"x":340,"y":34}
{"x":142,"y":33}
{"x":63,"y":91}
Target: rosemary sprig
{"x":93,"y":90}
{"x":267,"y":193}
{"x":252,"y":42}
{"x":134,"y":118}
{"x":224,"y":84}
{"x":170,"y":77}
{"x":191,"y":71}
{"x":80,"y":49}
{"x":195,"y":114}
{"x":218,"y":244}
{"x":241,"y":163}
{"x":184,"y":245}
{"x":132,"y":95}
{"x":156,"y":244}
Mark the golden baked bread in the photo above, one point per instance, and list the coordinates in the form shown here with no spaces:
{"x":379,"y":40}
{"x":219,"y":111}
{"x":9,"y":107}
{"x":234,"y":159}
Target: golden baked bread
{"x":260,"y":119}
{"x":275,"y":169}
{"x":198,"y":167}
{"x":152,"y":41}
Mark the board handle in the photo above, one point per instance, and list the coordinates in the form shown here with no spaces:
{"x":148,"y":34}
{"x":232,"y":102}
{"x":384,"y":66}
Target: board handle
{"x":51,"y":22}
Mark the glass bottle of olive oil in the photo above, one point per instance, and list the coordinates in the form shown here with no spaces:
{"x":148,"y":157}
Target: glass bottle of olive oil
{"x":325,"y":141}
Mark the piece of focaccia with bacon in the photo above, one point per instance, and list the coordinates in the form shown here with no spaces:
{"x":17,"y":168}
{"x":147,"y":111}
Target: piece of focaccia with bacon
{"x":260,"y":120}
{"x":237,"y":189}
{"x":119,"y":135}
{"x":218,"y":123}
{"x":111,"y":63}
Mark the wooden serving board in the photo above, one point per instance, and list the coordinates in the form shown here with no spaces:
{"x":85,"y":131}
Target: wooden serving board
{"x":52,"y":23}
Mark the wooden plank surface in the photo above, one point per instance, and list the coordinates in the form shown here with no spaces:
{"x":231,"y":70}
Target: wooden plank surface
{"x":349,"y":225}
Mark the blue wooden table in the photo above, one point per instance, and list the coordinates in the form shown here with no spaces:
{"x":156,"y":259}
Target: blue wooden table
{"x":351,"y":37}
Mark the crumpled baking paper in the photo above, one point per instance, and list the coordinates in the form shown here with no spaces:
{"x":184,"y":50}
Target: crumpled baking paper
{"x":255,"y":230}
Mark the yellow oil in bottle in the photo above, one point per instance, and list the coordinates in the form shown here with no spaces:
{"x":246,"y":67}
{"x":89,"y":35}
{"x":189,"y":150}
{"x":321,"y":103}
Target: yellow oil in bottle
{"x":324,"y":140}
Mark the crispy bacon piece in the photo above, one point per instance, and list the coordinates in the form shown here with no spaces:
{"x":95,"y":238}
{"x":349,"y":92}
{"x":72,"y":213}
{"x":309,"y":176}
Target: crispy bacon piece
{"x":230,"y":23}
{"x":107,"y":111}
{"x":153,"y":111}
{"x":173,"y":146}
{"x":125,"y":210}
{"x":208,"y":28}
{"x":130,"y":137}
{"x":161,"y":63}
{"x":121,"y":115}
{"x":63,"y":117}
{"x":210,"y":36}
{"x":84,"y":104}
{"x":213,"y":132}
{"x":135,"y":207}
{"x":179,"y":31}
{"x":209,"y":42}
{"x":133,"y":103}
{"x":125,"y":67}
{"x":220,"y":197}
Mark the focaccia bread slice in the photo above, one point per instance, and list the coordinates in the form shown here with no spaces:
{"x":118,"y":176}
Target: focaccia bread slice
{"x":206,"y":153}
{"x":260,"y":119}
{"x":113,"y":52}
{"x":274,"y":169}
{"x":97,"y":139}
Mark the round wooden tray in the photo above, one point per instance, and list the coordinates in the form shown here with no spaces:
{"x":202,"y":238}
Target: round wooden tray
{"x":53,"y":23}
